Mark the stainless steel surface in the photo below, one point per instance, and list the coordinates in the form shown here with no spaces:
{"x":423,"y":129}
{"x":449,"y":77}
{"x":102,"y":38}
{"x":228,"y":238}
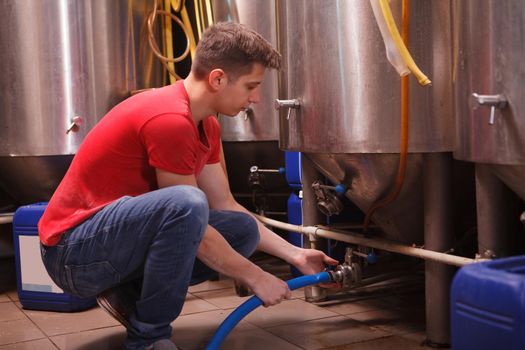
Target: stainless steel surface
{"x":62,"y":59}
{"x":489,"y":46}
{"x":495,"y":219}
{"x":439,"y":237}
{"x":368,"y":177}
{"x":335,"y":64}
{"x":33,"y":178}
{"x":263,"y":123}
{"x":64,"y":65}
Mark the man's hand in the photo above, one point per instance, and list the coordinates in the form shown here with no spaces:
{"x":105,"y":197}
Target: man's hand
{"x":310,"y":261}
{"x":270,"y":289}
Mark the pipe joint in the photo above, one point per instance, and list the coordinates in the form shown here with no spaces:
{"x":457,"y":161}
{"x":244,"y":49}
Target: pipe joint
{"x":328,"y":203}
{"x":347,"y":275}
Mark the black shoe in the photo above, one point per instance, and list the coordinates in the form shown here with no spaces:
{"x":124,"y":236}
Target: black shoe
{"x":118,"y":304}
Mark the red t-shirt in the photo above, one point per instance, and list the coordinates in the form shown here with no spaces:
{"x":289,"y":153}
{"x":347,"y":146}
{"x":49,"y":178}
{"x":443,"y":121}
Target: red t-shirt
{"x":118,"y":157}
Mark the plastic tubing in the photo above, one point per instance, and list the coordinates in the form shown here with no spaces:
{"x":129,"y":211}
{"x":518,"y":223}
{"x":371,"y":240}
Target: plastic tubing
{"x":398,"y":41}
{"x":392,"y":52}
{"x":403,"y":148}
{"x":251,"y":304}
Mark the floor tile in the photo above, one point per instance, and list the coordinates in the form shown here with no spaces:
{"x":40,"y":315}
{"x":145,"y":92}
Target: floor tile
{"x":211,"y":285}
{"x":255,"y":339}
{"x":18,"y":331}
{"x":326,"y":332}
{"x":13,"y":295}
{"x":222,"y":298}
{"x":194,"y":305}
{"x":348,"y":306}
{"x":40,"y":344}
{"x":99,"y":339}
{"x":389,"y":343}
{"x":9,"y":312}
{"x":4,"y":298}
{"x":393,"y":321}
{"x":289,"y":311}
{"x":55,"y":323}
{"x":195,"y":330}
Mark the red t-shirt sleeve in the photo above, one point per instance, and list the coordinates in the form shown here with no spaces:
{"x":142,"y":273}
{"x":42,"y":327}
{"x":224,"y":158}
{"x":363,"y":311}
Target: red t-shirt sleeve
{"x":170,"y":141}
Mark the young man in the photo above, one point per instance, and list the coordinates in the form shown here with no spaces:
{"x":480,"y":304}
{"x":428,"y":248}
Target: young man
{"x":145,"y":208}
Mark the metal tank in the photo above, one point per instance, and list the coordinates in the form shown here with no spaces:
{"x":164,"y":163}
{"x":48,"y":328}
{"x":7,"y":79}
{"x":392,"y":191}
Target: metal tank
{"x":348,"y":120}
{"x":489,"y":76}
{"x":251,"y":138}
{"x":261,"y":123}
{"x":64,"y":65}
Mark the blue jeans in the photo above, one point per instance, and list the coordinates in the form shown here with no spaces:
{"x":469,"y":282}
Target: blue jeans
{"x":148,"y":243}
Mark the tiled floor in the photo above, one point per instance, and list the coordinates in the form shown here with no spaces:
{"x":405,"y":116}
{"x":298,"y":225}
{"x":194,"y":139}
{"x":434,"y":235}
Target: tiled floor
{"x":386,"y":317}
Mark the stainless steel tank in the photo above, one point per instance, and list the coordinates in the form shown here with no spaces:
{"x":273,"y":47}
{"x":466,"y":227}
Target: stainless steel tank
{"x":251,"y":139}
{"x":261,"y":123}
{"x":63,"y":62}
{"x":348,"y":122}
{"x":489,"y":75}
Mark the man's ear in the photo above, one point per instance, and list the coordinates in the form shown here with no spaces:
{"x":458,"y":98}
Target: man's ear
{"x":217,"y":79}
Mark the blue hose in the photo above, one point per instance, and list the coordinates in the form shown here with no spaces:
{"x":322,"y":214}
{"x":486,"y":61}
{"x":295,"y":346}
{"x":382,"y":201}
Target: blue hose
{"x":251,"y":304}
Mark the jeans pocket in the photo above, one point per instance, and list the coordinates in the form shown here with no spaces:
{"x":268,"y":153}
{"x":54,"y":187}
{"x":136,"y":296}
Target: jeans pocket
{"x":91,"y":279}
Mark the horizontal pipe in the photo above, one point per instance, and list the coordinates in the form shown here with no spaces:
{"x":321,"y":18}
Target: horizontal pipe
{"x":377,"y":243}
{"x":6,"y":218}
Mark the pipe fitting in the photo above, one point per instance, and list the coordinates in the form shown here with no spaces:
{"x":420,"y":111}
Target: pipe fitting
{"x":328,"y":203}
{"x":347,"y":275}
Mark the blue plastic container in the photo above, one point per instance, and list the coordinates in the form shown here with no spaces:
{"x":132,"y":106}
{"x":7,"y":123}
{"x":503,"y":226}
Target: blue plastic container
{"x":488,"y":305}
{"x":36,"y":290}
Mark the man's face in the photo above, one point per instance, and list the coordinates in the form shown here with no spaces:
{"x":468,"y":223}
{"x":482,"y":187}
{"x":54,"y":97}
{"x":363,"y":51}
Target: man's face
{"x":239,"y":94}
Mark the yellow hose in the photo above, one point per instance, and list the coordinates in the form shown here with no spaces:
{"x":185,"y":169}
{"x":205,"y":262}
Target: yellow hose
{"x":407,"y":58}
{"x":191,"y":35}
{"x":169,"y":42}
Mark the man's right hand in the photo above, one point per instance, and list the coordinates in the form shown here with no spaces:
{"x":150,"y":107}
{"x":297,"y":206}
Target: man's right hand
{"x":270,"y":289}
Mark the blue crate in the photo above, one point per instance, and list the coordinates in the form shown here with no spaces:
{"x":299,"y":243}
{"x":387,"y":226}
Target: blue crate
{"x":488,"y":305}
{"x":36,"y":290}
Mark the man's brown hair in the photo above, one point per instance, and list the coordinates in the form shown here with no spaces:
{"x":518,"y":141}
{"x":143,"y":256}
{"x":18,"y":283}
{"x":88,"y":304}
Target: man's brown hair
{"x":234,"y":48}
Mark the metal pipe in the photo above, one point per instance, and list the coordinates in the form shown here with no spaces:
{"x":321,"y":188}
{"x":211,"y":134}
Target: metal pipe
{"x":439,"y":236}
{"x":377,"y":243}
{"x":6,"y":218}
{"x":494,"y":203}
{"x":311,"y":216}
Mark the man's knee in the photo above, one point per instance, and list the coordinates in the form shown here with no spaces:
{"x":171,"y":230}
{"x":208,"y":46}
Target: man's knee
{"x":188,"y":198}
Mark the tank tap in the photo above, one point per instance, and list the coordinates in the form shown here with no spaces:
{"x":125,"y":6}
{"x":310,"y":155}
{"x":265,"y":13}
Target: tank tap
{"x":347,"y":275}
{"x":76,"y":121}
{"x":494,"y":101}
{"x":290,"y":104}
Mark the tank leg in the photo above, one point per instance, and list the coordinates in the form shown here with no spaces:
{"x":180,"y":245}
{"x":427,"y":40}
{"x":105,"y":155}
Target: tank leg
{"x":495,"y":205}
{"x":311,"y":216}
{"x":439,"y":236}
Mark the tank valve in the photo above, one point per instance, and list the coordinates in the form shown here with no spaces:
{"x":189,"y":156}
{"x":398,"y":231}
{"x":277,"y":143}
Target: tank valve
{"x":247,"y":113}
{"x":347,"y":275}
{"x":494,"y":101}
{"x":76,"y":121}
{"x":327,"y":202}
{"x":290,"y":104}
{"x":256,"y":179}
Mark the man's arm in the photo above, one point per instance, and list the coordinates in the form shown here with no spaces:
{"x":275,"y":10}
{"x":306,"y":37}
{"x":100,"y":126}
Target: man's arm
{"x":215,"y":252}
{"x":214,"y":183}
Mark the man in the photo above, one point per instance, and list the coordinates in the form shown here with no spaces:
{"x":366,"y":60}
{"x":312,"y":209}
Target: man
{"x":145,"y":208}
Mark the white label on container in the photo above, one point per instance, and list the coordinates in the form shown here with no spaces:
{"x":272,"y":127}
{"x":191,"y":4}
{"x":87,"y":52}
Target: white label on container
{"x":34,"y":275}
